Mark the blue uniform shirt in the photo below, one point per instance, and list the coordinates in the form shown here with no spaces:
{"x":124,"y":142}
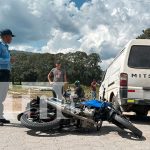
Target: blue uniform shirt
{"x":4,"y":57}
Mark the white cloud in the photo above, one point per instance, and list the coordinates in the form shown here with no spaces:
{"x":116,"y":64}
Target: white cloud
{"x":61,"y":42}
{"x":92,"y":39}
{"x":24,"y":47}
{"x":102,"y":26}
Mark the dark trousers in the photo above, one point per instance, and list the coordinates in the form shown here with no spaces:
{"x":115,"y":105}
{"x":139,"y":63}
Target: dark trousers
{"x":4,"y":86}
{"x":4,"y":75}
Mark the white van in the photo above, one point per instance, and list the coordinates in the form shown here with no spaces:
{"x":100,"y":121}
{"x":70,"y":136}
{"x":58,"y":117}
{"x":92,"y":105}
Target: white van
{"x":126,"y":82}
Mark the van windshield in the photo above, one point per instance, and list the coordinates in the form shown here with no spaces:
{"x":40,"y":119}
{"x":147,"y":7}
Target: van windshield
{"x":139,"y":57}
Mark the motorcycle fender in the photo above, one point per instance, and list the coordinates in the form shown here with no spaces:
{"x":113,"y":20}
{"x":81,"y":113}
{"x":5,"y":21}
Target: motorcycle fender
{"x":19,"y":116}
{"x":110,"y":115}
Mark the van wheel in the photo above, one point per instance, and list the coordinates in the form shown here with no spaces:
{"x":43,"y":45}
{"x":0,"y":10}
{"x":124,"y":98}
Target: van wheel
{"x":115,"y":103}
{"x":144,"y":113}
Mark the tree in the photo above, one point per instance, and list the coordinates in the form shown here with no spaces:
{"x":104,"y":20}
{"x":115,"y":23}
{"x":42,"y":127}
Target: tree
{"x":145,"y":34}
{"x":29,"y":76}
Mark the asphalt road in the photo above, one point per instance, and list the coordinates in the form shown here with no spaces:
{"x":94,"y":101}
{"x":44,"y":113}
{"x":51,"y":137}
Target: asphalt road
{"x":16,"y":137}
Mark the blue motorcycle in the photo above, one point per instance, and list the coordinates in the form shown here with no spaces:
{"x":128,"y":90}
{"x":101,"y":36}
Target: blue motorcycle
{"x":58,"y":114}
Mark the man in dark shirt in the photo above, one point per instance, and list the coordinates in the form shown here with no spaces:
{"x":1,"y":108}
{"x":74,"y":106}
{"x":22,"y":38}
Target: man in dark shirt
{"x":79,"y":90}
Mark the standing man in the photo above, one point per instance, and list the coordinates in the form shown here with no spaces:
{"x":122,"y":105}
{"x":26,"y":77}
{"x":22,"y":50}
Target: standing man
{"x":5,"y":66}
{"x":57,"y":76}
{"x":93,"y":89}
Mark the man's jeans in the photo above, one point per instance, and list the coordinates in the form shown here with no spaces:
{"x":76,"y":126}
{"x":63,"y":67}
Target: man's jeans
{"x":93,"y":94}
{"x":4,"y":86}
{"x":58,"y":88}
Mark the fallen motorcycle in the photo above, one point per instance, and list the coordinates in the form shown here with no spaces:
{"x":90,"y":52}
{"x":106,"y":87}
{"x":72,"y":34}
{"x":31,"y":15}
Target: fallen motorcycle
{"x":87,"y":114}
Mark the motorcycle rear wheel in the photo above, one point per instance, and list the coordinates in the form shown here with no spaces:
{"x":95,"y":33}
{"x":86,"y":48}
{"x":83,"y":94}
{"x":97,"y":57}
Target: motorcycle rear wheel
{"x":39,"y":126}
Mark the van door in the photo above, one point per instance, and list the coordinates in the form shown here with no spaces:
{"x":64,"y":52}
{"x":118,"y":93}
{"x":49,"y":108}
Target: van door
{"x":139,"y":74}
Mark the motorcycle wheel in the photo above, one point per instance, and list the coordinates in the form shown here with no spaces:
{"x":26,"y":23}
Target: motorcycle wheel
{"x":123,"y":123}
{"x":39,"y":125}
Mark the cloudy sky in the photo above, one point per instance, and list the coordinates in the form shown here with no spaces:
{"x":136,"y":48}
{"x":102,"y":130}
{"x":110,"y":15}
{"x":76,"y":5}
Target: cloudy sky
{"x":101,"y":26}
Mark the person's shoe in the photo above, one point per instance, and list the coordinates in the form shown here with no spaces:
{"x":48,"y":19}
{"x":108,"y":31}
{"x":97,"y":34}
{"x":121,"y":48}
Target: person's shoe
{"x":4,"y":121}
{"x":1,"y":124}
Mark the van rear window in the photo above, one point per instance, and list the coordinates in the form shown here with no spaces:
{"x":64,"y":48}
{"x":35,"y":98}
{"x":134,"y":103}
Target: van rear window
{"x":139,"y":57}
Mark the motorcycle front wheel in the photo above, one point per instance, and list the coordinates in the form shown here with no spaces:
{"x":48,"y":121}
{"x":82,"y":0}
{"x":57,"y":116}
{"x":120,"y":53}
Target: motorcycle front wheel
{"x":124,"y":123}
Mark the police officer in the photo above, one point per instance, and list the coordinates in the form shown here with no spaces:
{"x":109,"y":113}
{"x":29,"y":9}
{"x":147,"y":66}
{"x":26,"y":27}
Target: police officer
{"x":5,"y":66}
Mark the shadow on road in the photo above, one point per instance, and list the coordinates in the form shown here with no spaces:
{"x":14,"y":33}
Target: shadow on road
{"x":92,"y":132}
{"x":15,"y":125}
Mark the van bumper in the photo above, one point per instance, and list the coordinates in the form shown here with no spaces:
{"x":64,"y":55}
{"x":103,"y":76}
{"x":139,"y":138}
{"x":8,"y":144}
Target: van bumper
{"x":138,"y":101}
{"x":135,"y":105}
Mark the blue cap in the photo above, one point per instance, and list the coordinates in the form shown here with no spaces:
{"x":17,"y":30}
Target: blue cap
{"x":6,"y":32}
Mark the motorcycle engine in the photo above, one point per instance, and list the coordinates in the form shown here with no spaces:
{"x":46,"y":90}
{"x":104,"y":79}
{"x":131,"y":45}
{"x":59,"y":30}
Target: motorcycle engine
{"x":89,"y":112}
{"x":86,"y":124}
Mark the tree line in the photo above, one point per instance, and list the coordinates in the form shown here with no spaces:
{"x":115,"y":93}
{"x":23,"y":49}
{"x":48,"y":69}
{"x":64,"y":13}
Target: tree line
{"x":34,"y":67}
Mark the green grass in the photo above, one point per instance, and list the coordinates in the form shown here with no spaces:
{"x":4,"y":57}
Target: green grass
{"x":18,"y":90}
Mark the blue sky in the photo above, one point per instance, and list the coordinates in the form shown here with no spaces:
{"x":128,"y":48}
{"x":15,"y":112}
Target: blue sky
{"x":79,"y":3}
{"x":52,"y":26}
